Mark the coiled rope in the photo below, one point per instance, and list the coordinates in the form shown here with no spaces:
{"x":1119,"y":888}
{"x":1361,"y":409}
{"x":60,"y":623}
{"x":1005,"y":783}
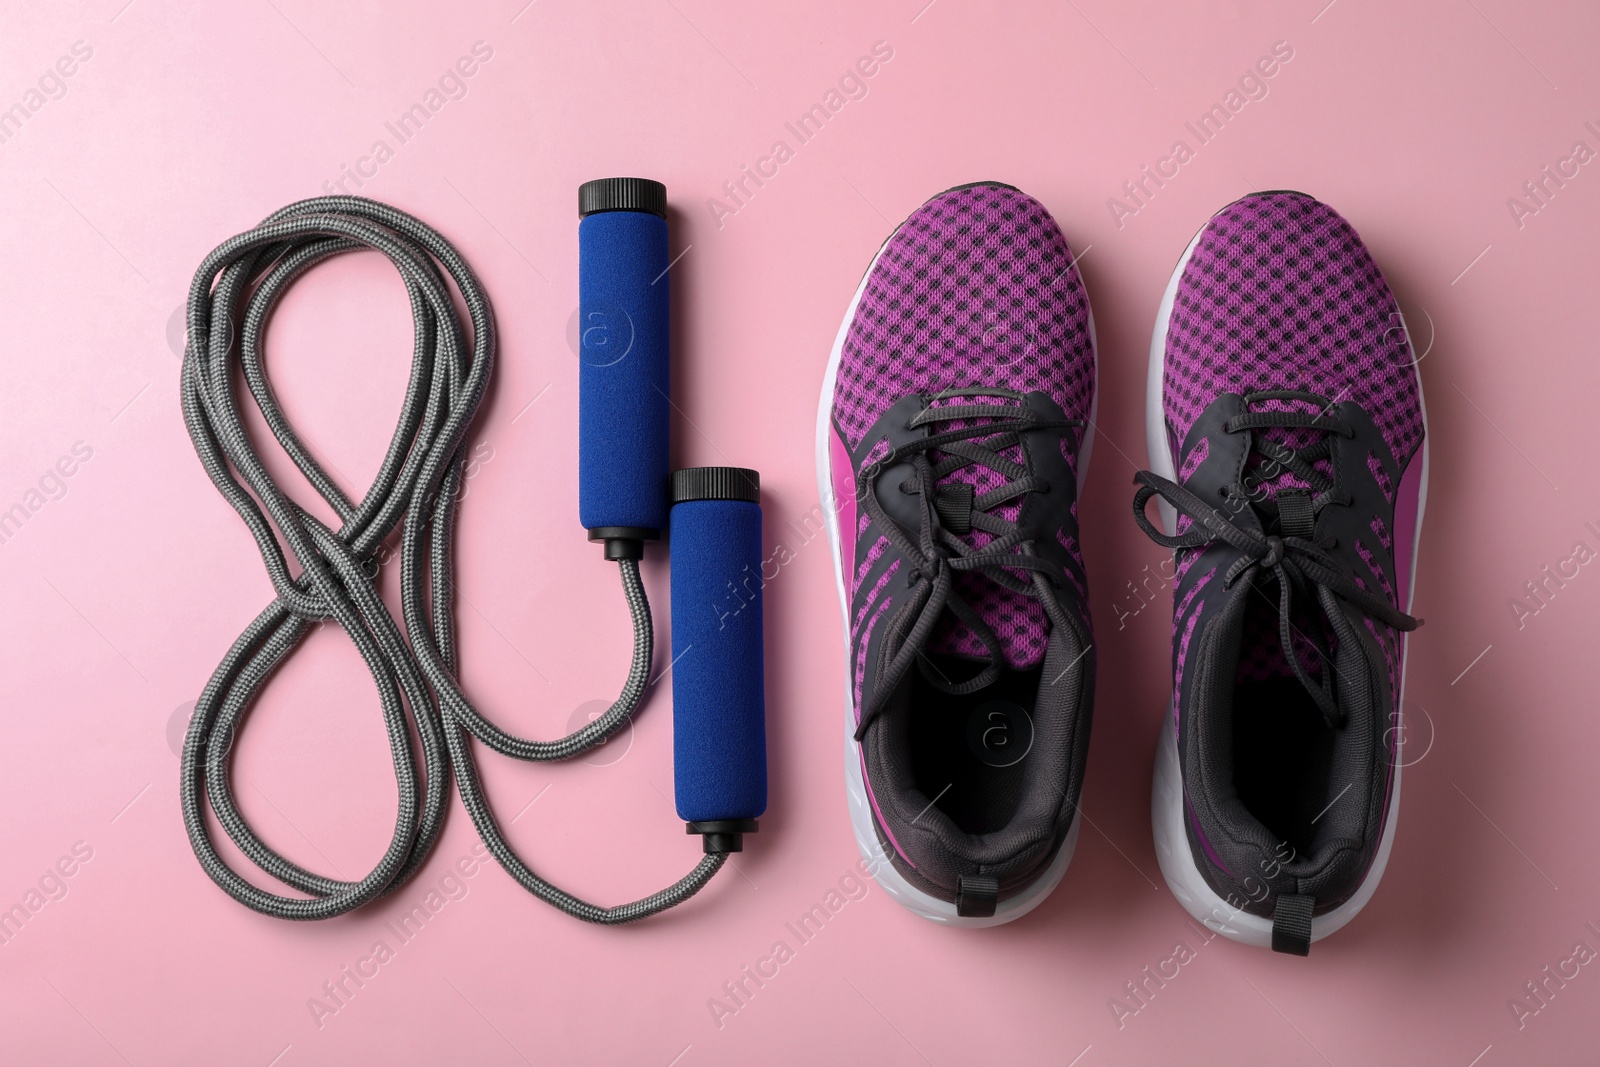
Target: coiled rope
{"x":230,"y":301}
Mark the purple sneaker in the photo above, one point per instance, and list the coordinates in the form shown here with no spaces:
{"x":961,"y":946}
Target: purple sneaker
{"x":1286,"y":436}
{"x":952,"y":440}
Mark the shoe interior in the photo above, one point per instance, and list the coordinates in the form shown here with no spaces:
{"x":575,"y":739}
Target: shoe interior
{"x":970,"y":752}
{"x":1283,"y":756}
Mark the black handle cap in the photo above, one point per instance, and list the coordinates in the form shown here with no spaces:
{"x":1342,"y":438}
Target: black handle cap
{"x":622,"y":194}
{"x":716,"y":483}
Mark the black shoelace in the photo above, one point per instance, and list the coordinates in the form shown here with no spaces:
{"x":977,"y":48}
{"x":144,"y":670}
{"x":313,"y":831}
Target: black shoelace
{"x":1294,"y":558}
{"x":937,"y":550}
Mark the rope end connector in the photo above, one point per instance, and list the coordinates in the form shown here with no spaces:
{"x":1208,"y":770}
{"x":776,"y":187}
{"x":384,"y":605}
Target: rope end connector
{"x":722,"y":836}
{"x":624,"y":542}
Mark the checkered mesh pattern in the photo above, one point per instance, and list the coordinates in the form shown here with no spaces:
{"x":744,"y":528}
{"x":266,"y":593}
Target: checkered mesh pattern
{"x":1261,"y":646}
{"x":1280,"y":293}
{"x":1377,"y":572}
{"x":873,"y":555}
{"x":977,"y":288}
{"x":1382,"y":533}
{"x":982,"y":479}
{"x":1191,"y":463}
{"x":1389,"y":640}
{"x":1185,"y":618}
{"x":1183,"y":651}
{"x":1380,"y":476}
{"x":865,"y":603}
{"x":1273,"y":476}
{"x":1070,"y":454}
{"x":862,"y":641}
{"x":1018,"y":621}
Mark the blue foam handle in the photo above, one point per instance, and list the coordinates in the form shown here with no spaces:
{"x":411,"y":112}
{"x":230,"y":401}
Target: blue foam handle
{"x":719,"y":729}
{"x":624,"y":378}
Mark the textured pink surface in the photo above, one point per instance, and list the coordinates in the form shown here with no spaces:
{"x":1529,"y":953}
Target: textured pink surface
{"x":1446,"y":133}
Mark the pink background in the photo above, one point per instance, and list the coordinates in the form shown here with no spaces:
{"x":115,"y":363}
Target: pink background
{"x":126,"y":585}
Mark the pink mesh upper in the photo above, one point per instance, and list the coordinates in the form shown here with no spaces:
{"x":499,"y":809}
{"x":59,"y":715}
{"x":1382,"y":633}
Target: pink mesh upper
{"x":977,"y":288}
{"x":1280,"y":293}
{"x":1382,"y":532}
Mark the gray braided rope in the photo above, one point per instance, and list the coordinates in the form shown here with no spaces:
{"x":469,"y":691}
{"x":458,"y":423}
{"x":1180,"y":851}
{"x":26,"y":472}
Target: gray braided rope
{"x":239,"y":283}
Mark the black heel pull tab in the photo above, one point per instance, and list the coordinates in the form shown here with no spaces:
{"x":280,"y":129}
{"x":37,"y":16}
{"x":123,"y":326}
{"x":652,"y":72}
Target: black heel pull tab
{"x":976,"y":895}
{"x":1291,"y":924}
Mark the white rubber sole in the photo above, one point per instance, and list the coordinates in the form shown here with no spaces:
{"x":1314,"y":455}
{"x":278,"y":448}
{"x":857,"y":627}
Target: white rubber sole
{"x":1177,"y":862}
{"x":862,"y":820}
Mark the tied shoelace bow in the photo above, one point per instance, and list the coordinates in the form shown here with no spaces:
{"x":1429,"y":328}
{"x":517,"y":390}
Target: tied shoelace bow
{"x":1293,"y":556}
{"x":937,"y":551}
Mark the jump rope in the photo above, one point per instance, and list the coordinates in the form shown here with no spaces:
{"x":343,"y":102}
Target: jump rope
{"x":626,"y":497}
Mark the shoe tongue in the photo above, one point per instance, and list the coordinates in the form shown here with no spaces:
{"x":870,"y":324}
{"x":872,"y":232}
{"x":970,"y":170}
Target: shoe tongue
{"x":1261,"y":653}
{"x":1017,"y":620}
